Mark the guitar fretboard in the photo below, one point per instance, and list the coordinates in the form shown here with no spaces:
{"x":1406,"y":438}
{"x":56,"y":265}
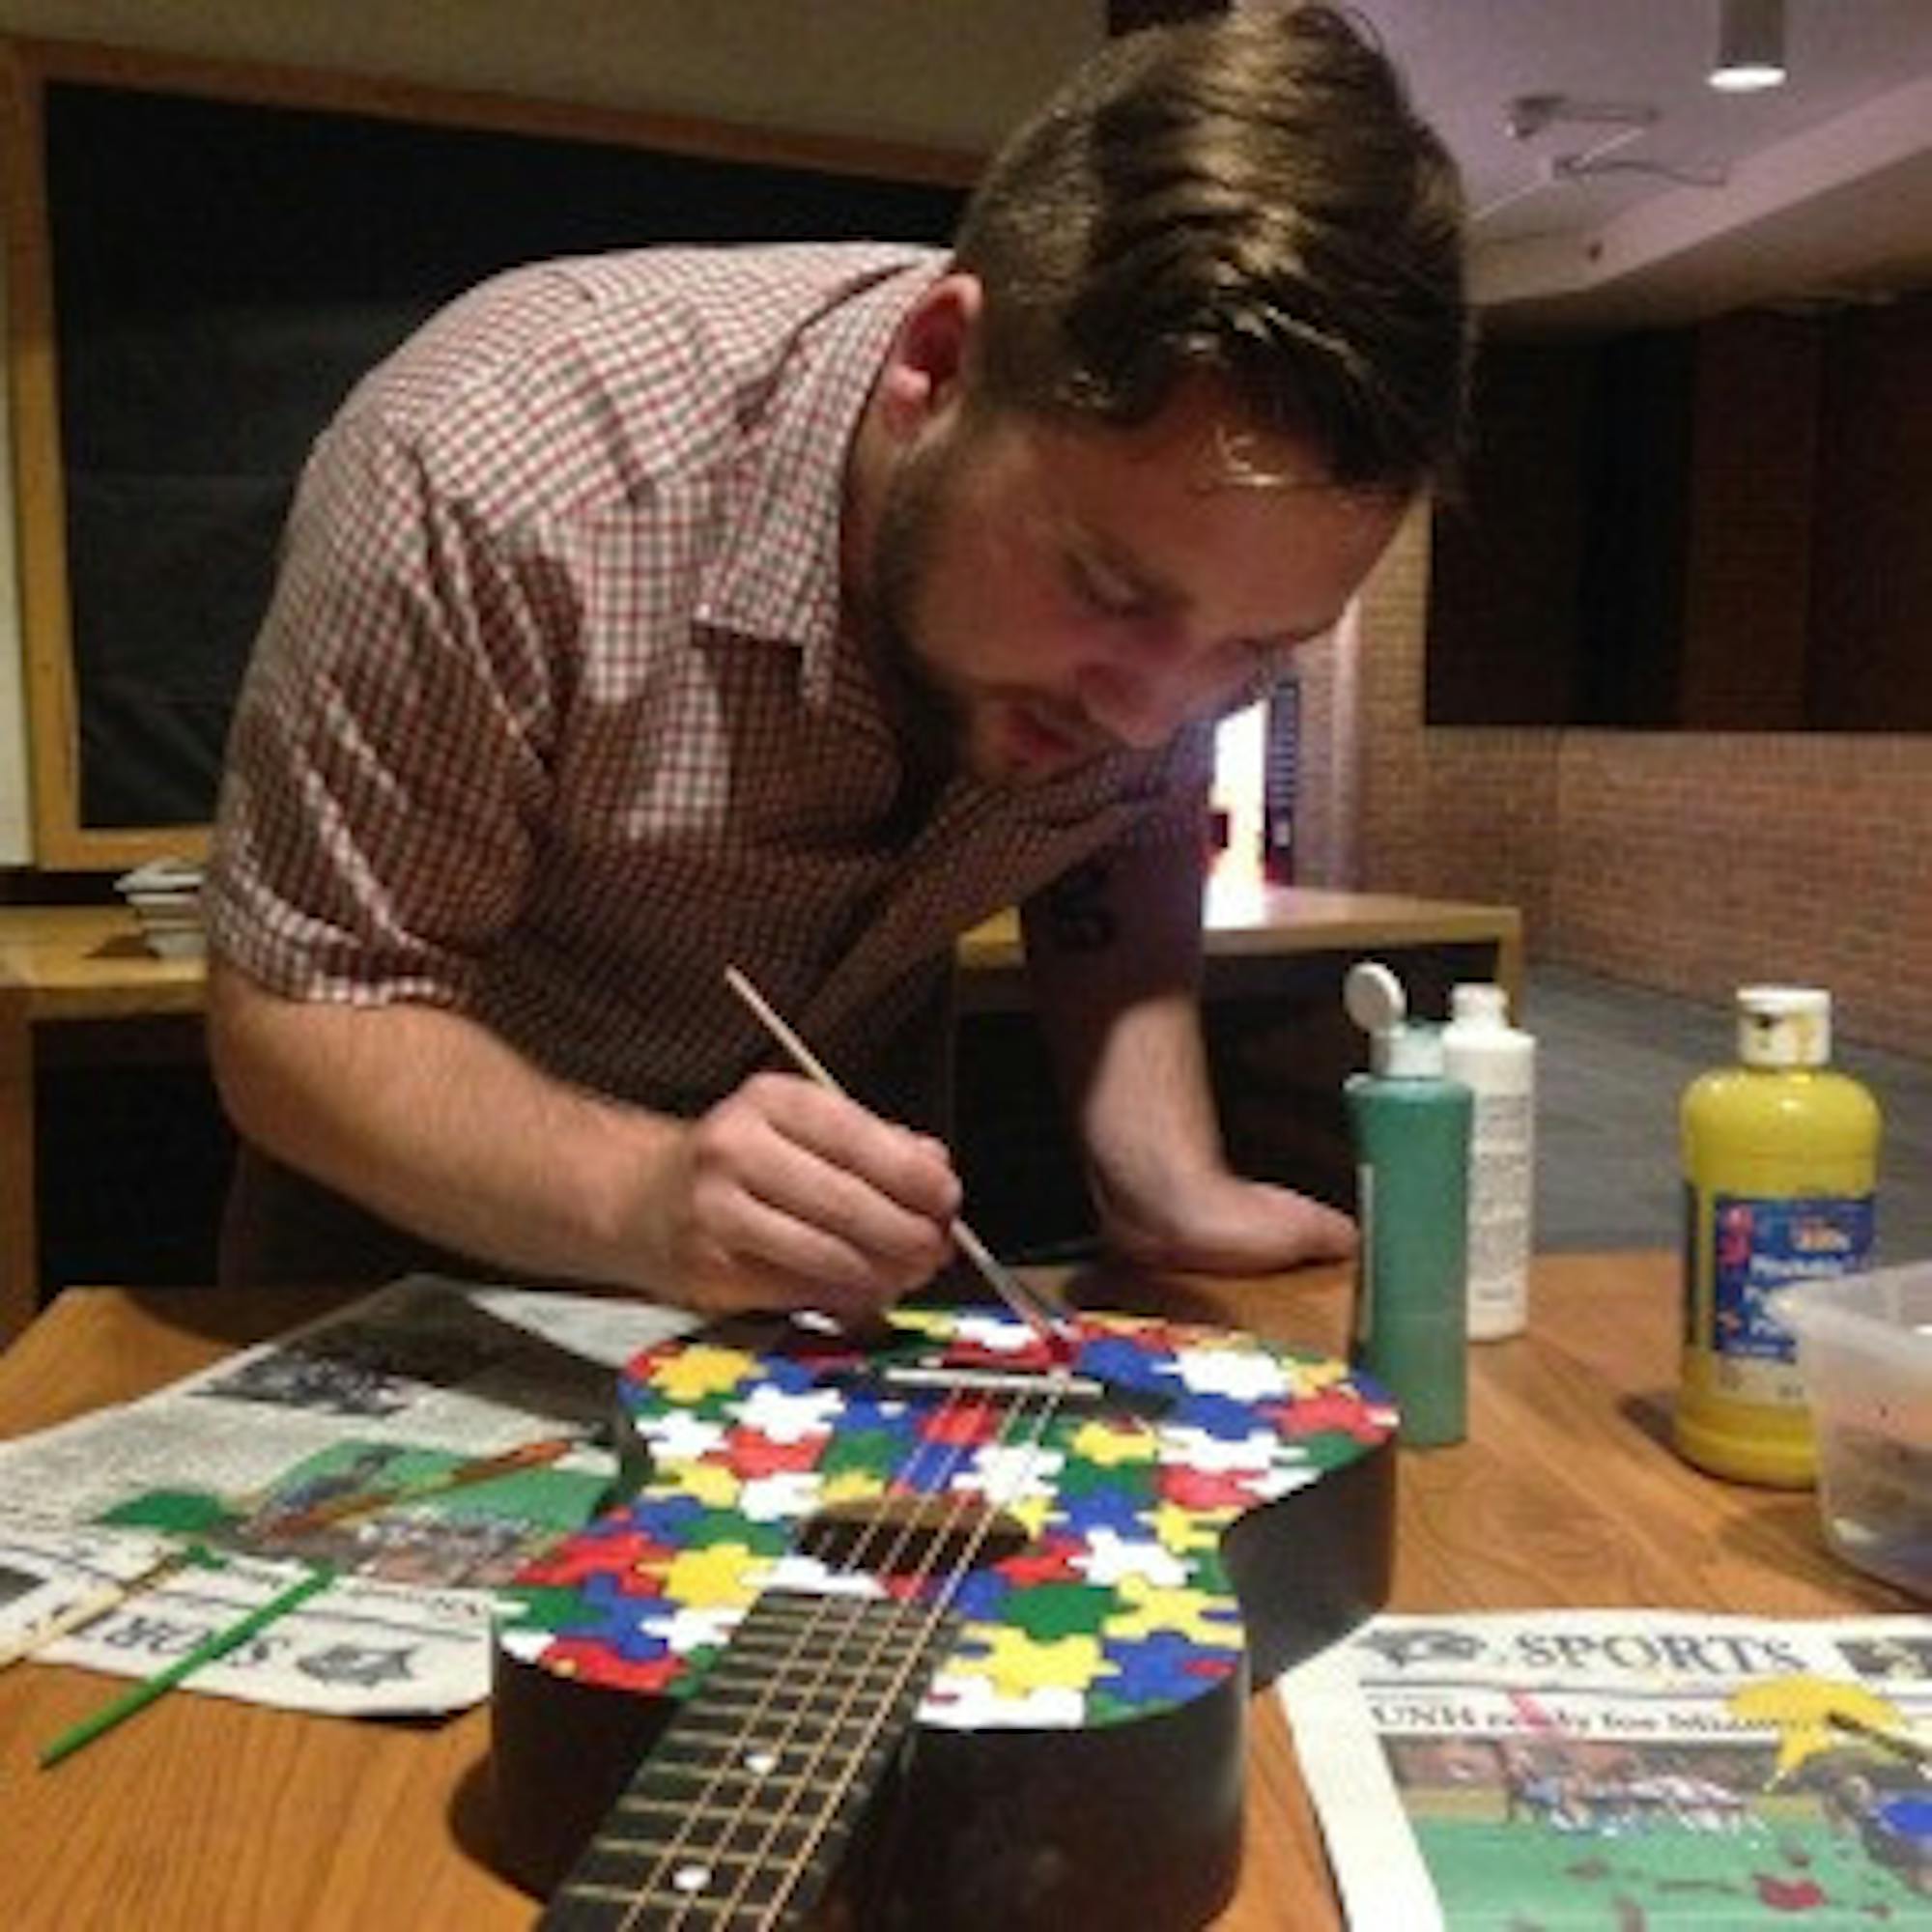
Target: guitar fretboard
{"x":740,"y":1814}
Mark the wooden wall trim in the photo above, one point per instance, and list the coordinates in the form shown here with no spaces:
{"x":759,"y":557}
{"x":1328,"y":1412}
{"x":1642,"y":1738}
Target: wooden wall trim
{"x":344,"y":91}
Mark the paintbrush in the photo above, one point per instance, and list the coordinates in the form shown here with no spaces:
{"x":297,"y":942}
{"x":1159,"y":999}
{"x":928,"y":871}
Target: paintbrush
{"x":1878,"y":1734}
{"x":1031,"y":1307}
{"x":461,"y":1476}
{"x":149,"y":1690}
{"x":95,"y":1602}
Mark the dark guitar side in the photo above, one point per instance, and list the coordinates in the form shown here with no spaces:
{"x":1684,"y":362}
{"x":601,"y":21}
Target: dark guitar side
{"x":1135,"y":1824}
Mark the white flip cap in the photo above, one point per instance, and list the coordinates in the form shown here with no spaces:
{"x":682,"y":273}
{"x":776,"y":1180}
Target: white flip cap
{"x":1377,"y":1005}
{"x":1374,"y":997}
{"x":1784,"y":1026}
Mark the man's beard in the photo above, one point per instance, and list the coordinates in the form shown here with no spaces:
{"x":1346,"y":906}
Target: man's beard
{"x":949,"y":724}
{"x":930,"y":716}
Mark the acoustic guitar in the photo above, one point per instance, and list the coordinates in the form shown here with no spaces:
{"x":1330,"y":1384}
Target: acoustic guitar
{"x":953,"y":1630}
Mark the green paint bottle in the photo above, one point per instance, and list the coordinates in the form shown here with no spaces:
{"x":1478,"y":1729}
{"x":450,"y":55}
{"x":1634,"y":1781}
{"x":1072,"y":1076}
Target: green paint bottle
{"x":1411,"y":1127}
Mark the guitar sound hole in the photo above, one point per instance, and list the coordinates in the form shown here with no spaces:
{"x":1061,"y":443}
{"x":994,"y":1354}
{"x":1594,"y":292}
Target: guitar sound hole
{"x":912,"y":1536}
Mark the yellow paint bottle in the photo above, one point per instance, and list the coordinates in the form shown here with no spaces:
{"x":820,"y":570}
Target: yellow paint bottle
{"x":1780,"y":1167}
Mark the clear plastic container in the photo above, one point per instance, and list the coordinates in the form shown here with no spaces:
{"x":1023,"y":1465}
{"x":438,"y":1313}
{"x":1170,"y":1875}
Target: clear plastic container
{"x":1864,"y":1351}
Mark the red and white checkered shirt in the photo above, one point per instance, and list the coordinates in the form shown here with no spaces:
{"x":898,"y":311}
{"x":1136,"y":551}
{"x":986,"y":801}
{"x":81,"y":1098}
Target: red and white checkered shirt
{"x":552,"y":715}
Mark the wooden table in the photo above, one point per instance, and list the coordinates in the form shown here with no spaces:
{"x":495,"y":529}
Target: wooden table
{"x":204,"y":1813}
{"x":1250,"y":921}
{"x":62,"y":964}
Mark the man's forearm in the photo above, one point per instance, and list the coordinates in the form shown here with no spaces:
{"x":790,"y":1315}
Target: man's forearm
{"x":1113,"y":965}
{"x":437,"y":1125}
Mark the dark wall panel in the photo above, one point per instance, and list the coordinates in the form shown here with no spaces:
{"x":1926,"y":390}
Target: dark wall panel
{"x":223,"y":271}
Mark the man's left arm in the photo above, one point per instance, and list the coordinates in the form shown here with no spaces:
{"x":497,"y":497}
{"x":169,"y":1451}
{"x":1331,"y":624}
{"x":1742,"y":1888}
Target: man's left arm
{"x":1114,"y":962}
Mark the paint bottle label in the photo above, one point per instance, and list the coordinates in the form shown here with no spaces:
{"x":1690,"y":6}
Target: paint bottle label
{"x":1759,"y":1247}
{"x":1497,"y":1063}
{"x":1411,"y":1135}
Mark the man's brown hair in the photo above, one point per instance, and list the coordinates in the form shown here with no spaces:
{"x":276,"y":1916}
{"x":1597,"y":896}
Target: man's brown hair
{"x":1250,"y":197}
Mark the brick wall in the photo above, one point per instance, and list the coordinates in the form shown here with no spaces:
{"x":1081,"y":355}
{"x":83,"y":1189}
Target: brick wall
{"x":1691,"y":861}
{"x":1328,"y":795}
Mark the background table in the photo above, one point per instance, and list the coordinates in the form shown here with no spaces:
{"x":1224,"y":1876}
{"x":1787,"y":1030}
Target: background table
{"x":206,"y":1814}
{"x":80,"y":978}
{"x":68,"y":967}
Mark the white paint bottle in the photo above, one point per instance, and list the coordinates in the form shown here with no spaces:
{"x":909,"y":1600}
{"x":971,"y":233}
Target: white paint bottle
{"x":1497,"y":1063}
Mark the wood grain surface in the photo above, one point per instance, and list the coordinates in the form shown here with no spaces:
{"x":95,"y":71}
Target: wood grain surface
{"x":212,"y":1815}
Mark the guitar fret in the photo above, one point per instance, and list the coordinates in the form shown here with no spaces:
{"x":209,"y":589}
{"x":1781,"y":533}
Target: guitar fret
{"x":762,"y":1724}
{"x":705,"y":1745}
{"x":752,"y":1845}
{"x":726,"y":1786}
{"x":748,"y":1843}
{"x":689,"y":1788}
{"x":707,"y":1884}
{"x":688,"y":1794}
{"x":666,"y":1904}
{"x":706,"y":1891}
{"x":772,"y":1726}
{"x":637,"y":1807}
{"x":595,"y":1908}
{"x":759,"y":1652}
{"x":882,"y":1676}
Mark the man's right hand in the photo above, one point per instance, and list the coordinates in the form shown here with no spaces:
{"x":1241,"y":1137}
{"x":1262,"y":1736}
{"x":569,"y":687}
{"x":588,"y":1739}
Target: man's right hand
{"x":785,"y":1195}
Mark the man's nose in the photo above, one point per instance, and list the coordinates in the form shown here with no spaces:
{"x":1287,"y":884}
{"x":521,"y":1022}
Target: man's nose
{"x":1143,"y":705}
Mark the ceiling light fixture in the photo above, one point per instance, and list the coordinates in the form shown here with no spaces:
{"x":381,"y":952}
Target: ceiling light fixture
{"x":1750,"y":46}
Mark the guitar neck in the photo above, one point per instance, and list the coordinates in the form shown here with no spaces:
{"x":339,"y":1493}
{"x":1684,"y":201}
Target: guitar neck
{"x":741,"y":1812}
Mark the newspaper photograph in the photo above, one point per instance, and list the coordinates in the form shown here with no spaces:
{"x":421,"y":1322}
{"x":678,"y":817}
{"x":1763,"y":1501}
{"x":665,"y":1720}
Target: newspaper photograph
{"x":424,"y":1443}
{"x":423,"y":1361}
{"x":1628,"y":1770}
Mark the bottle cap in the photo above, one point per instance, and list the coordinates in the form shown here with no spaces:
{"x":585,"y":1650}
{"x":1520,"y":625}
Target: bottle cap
{"x":1374,"y":997}
{"x":1377,"y":1005}
{"x":1480,"y":1002}
{"x":1784,"y":1026}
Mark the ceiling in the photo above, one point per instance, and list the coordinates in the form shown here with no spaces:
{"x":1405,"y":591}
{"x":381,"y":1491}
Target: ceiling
{"x":1695,"y":202}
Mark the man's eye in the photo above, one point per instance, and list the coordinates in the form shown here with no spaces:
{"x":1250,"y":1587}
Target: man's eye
{"x":1102,"y":591}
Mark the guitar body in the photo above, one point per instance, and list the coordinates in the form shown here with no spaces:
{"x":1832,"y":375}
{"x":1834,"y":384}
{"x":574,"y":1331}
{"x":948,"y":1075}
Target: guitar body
{"x":1022,"y":1603}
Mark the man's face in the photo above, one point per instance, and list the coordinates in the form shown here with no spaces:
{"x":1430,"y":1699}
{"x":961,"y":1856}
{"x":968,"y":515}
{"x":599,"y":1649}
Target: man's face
{"x":1054,"y":592}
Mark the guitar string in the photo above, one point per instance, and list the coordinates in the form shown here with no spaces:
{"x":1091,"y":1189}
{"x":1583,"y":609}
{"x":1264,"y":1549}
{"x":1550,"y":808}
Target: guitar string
{"x":912,"y":1659}
{"x":953,"y":1455}
{"x":805,"y":1642}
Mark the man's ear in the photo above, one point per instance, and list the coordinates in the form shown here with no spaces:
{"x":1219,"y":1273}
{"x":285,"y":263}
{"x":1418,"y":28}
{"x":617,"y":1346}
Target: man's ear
{"x":925,"y":368}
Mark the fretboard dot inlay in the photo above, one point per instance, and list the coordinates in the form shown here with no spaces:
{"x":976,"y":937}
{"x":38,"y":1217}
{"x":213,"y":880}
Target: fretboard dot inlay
{"x":691,"y":1878}
{"x":762,"y":1763}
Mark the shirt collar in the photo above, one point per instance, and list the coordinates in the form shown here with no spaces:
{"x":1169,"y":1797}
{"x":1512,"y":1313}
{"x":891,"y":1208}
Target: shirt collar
{"x":776,"y":575}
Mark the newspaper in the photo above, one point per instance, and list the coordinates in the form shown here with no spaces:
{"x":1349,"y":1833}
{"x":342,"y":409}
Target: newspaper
{"x":391,"y":1394}
{"x":1624,"y":1770}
